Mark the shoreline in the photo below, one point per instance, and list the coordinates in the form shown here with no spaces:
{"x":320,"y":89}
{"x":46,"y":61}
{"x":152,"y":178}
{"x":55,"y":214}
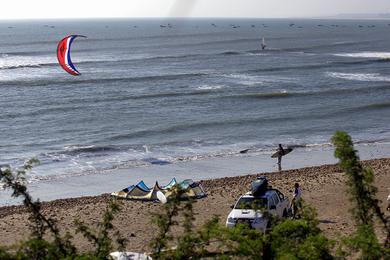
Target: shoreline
{"x":203,"y":169}
{"x":322,"y":187}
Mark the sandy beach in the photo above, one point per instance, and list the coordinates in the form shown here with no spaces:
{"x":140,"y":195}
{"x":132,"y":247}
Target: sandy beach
{"x":322,"y":186}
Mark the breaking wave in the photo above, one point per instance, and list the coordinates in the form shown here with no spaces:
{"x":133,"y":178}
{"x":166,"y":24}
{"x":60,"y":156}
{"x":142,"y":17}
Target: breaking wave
{"x":375,"y":55}
{"x":315,"y":66}
{"x":359,"y":76}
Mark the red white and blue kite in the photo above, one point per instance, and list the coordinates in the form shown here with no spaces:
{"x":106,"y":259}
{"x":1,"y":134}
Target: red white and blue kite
{"x":63,"y":54}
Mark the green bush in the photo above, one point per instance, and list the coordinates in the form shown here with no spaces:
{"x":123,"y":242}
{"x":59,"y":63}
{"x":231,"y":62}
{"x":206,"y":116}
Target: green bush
{"x":366,"y":205}
{"x":56,"y":246}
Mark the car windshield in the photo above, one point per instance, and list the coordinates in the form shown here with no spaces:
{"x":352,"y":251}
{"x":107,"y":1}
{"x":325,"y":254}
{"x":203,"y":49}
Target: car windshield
{"x":251,"y":203}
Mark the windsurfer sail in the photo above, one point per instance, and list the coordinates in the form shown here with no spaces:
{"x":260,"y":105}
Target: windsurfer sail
{"x":263,"y":45}
{"x":63,"y":54}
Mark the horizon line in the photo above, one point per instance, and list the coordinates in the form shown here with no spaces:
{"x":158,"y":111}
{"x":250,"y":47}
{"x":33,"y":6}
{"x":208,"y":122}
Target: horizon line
{"x":329,"y":17}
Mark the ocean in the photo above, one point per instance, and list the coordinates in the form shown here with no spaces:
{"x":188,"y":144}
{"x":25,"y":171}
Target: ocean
{"x":160,"y":92}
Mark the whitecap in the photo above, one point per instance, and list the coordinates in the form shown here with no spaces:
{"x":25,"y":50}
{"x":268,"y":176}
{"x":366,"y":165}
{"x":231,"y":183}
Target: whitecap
{"x":251,"y":80}
{"x":10,"y":62}
{"x":376,"y":55}
{"x":359,"y":76}
{"x":209,"y":87}
{"x":256,"y":54}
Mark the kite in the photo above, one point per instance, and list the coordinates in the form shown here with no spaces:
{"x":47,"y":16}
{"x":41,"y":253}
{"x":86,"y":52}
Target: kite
{"x":63,"y":54}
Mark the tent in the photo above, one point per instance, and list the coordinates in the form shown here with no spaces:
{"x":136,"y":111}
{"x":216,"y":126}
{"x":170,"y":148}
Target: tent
{"x":141,"y":191}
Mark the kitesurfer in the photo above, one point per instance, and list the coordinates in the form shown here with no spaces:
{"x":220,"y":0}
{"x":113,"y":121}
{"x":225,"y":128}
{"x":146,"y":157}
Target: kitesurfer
{"x":263,"y":45}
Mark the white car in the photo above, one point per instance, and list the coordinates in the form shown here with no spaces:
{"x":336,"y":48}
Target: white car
{"x":272,"y":201}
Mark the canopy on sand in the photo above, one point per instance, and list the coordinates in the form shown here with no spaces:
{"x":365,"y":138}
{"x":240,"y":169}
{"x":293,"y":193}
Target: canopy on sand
{"x":141,"y":191}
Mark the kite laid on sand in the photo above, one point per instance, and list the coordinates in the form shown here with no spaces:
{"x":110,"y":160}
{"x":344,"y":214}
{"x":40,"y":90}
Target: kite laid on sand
{"x":161,"y":193}
{"x":63,"y":54}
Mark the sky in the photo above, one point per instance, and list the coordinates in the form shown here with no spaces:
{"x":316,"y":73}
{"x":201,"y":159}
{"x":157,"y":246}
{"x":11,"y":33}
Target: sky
{"x":38,"y":9}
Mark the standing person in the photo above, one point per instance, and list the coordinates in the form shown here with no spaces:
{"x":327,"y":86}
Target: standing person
{"x":388,"y":203}
{"x":295,"y":202}
{"x":280,"y":154}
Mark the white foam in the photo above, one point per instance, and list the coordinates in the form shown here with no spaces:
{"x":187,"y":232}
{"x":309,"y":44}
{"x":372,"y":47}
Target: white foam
{"x":251,"y":80}
{"x":7,"y":62}
{"x":256,"y":54}
{"x":18,"y":61}
{"x":376,"y":55}
{"x":209,"y":87}
{"x":74,"y":147}
{"x":359,"y":76}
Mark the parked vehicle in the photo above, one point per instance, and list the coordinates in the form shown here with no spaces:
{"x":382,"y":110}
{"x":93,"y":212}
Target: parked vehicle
{"x":250,"y":209}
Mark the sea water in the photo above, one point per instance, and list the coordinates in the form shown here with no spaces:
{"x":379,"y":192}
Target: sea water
{"x":163,"y":92}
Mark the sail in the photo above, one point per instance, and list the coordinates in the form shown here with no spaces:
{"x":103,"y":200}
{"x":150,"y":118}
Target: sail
{"x":263,"y":45}
{"x":63,"y":54}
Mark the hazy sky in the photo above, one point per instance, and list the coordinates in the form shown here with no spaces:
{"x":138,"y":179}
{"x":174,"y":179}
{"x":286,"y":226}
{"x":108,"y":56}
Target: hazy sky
{"x":11,"y":9}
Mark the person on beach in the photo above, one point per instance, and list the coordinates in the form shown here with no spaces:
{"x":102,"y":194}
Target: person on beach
{"x":388,"y":203}
{"x":295,"y":202}
{"x":280,"y":155}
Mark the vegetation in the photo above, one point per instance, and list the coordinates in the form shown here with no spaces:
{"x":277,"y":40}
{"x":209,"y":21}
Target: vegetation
{"x":287,"y":238}
{"x":45,"y":241}
{"x":363,"y":196}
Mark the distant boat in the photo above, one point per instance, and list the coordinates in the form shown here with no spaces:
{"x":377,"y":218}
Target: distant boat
{"x":263,"y":45}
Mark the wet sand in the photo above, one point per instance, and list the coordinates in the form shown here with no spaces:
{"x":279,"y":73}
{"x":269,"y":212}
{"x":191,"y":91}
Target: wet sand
{"x":322,"y":186}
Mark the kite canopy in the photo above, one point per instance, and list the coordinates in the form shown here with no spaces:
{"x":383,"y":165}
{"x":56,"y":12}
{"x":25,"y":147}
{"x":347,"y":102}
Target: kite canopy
{"x":63,"y":54}
{"x":141,"y":192}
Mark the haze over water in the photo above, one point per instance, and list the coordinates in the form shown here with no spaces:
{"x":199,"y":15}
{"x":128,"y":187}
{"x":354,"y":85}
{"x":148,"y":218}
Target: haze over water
{"x":188,"y":90}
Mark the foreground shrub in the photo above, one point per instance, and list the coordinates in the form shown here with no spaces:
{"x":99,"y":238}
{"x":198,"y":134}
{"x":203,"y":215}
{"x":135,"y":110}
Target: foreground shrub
{"x":45,"y":240}
{"x":366,"y":206}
